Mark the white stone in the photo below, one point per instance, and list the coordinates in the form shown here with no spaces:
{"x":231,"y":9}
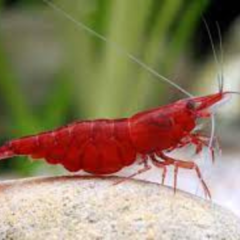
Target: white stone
{"x":91,"y":208}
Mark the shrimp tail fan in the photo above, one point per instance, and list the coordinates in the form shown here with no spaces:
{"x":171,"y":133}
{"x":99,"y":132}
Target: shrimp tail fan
{"x":6,"y":152}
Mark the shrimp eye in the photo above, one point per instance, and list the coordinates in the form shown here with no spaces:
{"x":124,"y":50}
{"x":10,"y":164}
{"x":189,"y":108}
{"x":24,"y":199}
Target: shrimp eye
{"x":191,"y":105}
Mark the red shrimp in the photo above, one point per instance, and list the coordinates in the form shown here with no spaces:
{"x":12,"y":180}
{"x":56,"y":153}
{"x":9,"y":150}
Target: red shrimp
{"x":106,"y":146}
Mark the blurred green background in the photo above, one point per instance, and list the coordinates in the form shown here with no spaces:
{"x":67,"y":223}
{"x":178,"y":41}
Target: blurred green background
{"x":52,"y":73}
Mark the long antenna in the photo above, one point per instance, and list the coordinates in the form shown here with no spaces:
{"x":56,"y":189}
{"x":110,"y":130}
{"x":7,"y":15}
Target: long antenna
{"x":220,"y":82}
{"x":220,"y":74}
{"x":117,"y":47}
{"x":221,"y":56}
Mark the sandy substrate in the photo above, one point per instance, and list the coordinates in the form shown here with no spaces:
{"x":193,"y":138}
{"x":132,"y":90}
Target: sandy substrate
{"x":91,"y":208}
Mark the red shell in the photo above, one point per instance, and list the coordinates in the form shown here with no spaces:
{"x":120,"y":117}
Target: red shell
{"x":100,"y":147}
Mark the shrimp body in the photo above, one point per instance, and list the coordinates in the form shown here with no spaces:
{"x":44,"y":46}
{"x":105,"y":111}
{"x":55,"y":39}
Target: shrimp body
{"x":106,"y":146}
{"x":100,"y":146}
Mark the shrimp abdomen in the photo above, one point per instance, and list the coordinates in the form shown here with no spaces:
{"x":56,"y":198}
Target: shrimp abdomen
{"x":100,"y":146}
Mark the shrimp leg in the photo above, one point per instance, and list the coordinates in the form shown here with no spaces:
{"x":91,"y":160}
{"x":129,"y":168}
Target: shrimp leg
{"x":140,"y":171}
{"x":201,"y":141}
{"x":186,"y":165}
{"x":158,"y":164}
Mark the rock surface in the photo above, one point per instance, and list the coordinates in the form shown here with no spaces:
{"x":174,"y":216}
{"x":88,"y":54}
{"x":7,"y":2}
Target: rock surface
{"x":90,"y":208}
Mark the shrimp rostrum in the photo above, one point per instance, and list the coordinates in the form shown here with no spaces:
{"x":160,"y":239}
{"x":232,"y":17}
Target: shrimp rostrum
{"x":106,"y":146}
